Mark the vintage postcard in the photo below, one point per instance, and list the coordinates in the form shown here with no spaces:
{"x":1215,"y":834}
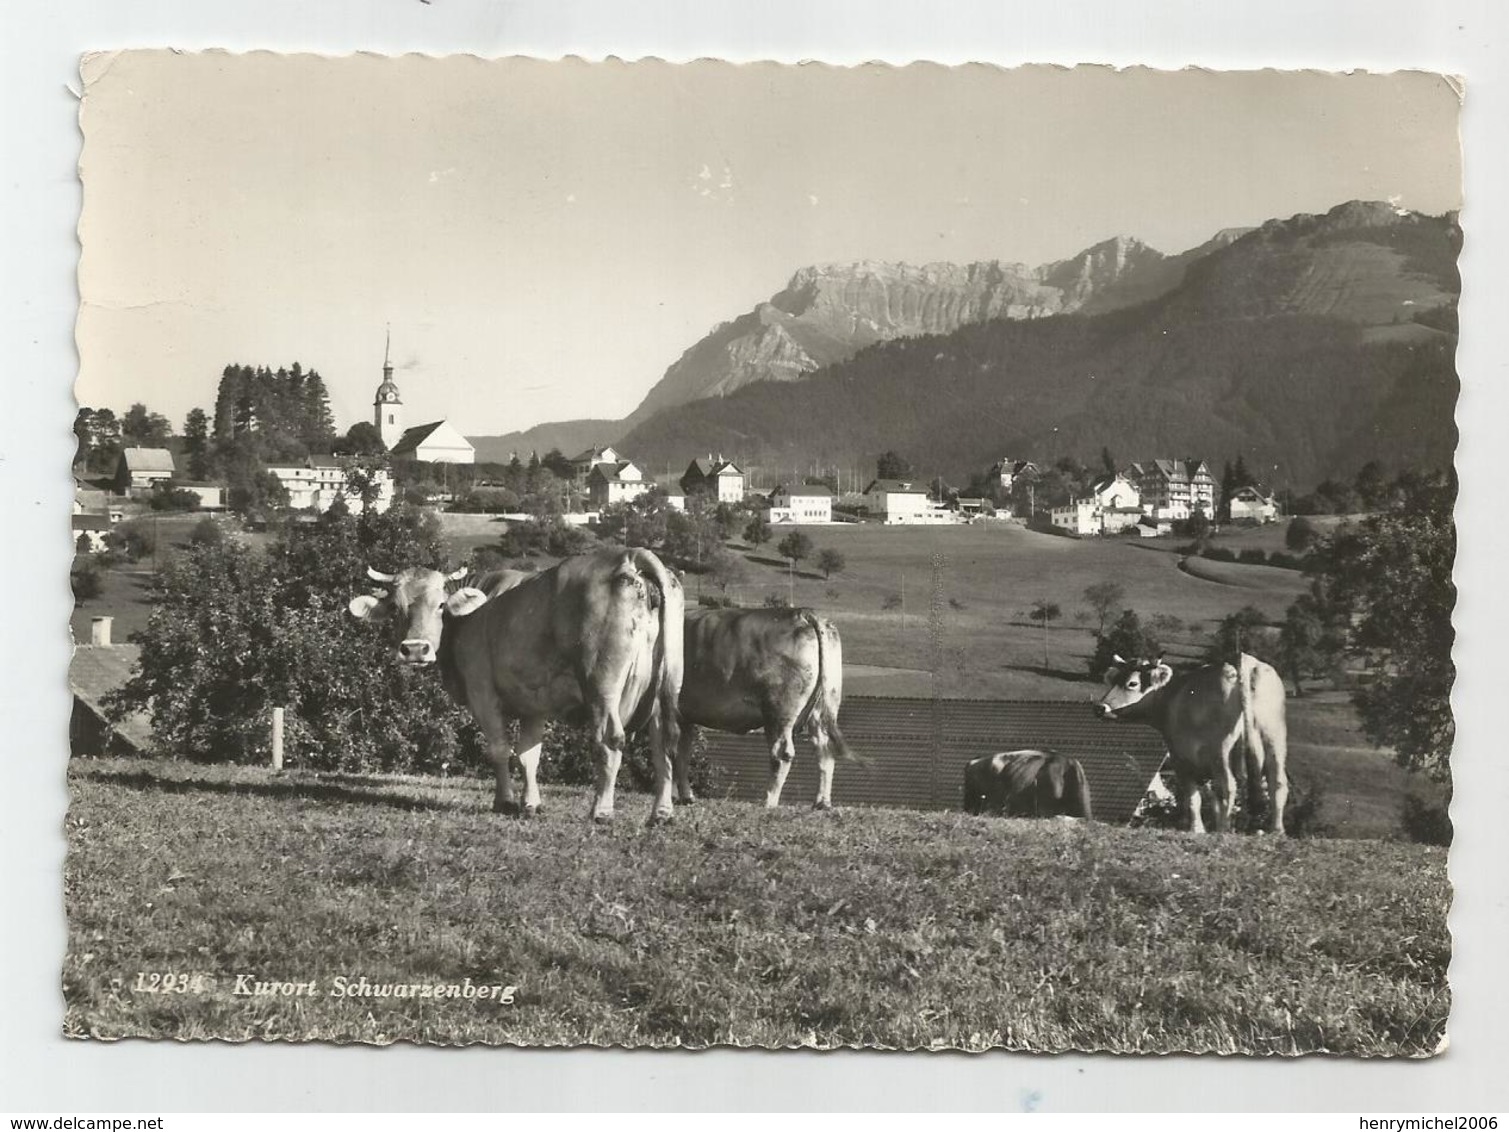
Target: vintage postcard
{"x":676,"y":555}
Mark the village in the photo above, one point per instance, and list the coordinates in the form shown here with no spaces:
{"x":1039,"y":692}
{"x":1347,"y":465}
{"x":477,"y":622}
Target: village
{"x":438,"y":466}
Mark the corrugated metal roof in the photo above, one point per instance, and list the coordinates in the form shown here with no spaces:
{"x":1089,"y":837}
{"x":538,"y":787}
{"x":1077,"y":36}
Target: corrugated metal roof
{"x":918,"y":749}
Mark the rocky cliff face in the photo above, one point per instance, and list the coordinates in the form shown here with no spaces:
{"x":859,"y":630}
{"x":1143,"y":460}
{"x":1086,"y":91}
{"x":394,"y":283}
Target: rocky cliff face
{"x":828,"y":313}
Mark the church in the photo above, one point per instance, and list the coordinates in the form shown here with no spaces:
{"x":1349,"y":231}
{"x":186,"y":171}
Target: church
{"x":438,"y":442}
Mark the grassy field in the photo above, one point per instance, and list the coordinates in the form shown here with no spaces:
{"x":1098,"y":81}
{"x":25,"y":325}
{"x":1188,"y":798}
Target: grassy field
{"x":873,"y":928}
{"x":987,"y":577}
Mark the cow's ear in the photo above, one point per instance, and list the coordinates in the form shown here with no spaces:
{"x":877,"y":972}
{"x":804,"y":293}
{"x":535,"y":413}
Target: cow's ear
{"x":468,"y":599}
{"x":365,"y":607}
{"x":1159,"y":675}
{"x":1111,"y":675}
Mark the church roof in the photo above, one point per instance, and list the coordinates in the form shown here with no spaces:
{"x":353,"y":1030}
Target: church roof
{"x":387,"y":391}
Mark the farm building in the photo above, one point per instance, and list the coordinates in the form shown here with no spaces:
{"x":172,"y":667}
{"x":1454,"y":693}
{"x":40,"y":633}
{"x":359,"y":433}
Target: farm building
{"x":97,"y":668}
{"x":801,"y":503}
{"x":897,"y":501}
{"x":139,"y":468}
{"x":435,"y":443}
{"x":919,"y":747}
{"x":319,"y":480}
{"x":211,"y":496}
{"x":1250,"y":503}
{"x":618,"y":482}
{"x":722,"y":479}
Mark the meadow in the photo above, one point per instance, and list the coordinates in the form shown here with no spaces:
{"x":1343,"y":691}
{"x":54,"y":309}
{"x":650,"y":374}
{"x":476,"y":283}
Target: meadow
{"x":734,"y":926}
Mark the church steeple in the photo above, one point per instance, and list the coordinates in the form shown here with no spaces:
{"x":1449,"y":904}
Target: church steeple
{"x":387,"y":406}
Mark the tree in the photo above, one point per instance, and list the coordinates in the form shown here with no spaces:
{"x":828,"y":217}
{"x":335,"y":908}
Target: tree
{"x":1044,"y":611}
{"x":891,"y":466}
{"x":1128,"y":639}
{"x":1237,"y":633}
{"x":1371,"y":486}
{"x":724,"y":569}
{"x":795,"y":546}
{"x":1107,"y":461}
{"x":1392,"y":574}
{"x":1104,"y":599}
{"x":1301,"y":534}
{"x":830,"y":562}
{"x":757,"y":531}
{"x":99,"y":436}
{"x":143,"y":429}
{"x":196,"y":444}
{"x":363,"y":439}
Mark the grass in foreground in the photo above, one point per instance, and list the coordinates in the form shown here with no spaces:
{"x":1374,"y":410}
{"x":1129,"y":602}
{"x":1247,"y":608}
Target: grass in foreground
{"x":738,"y":926}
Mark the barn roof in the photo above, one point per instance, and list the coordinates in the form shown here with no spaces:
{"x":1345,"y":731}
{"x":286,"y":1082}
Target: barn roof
{"x":148,"y":459}
{"x":918,"y":748}
{"x":95,"y":670}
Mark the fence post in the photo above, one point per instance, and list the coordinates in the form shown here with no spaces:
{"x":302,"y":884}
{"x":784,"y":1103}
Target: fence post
{"x":277,"y":739}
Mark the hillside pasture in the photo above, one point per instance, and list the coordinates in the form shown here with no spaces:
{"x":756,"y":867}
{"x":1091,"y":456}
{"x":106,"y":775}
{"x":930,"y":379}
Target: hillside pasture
{"x":734,"y":926}
{"x":981,"y":640}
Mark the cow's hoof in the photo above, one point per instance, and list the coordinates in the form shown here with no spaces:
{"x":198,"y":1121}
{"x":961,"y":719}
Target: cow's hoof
{"x":530,"y":811}
{"x":820,"y":804}
{"x":662,"y":817}
{"x":603,"y":819}
{"x":689,"y":800}
{"x":508,"y":809}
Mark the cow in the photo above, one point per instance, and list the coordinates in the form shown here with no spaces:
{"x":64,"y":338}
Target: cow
{"x":1027,"y":784}
{"x":776,"y":669}
{"x":594,"y":640}
{"x":1203,"y":714}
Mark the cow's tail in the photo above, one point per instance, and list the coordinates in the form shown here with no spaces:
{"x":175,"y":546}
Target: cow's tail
{"x":1077,"y":792}
{"x":1252,"y":743}
{"x":665,"y":687}
{"x":828,"y":695}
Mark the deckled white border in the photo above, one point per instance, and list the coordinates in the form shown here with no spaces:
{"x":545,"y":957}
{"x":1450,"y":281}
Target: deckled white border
{"x":40,"y":54}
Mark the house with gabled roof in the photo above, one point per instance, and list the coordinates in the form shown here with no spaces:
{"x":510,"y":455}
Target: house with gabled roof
{"x":435,"y":443}
{"x":1174,"y":489}
{"x":719,"y":479}
{"x":139,"y":468}
{"x":618,"y":482}
{"x":583,"y":462}
{"x":1007,"y":471}
{"x":801,"y":503}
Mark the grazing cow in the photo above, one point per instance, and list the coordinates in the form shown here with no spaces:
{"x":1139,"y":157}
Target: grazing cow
{"x":594,"y":640}
{"x":1203,"y":714}
{"x":777,"y":669}
{"x":1027,"y":784}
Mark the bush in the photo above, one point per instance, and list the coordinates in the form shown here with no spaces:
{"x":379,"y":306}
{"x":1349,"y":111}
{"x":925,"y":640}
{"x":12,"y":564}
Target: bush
{"x":711,"y":601}
{"x":1126,"y":638}
{"x":1427,"y":821}
{"x":1285,"y":561}
{"x":206,"y":532}
{"x":891,"y":602}
{"x":1218,"y":554}
{"x":88,"y":583}
{"x":1253,"y":557}
{"x":777,"y":601}
{"x":167,"y":498}
{"x":134,"y":539}
{"x":1301,"y":535}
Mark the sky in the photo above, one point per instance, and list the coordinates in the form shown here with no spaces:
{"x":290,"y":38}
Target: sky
{"x":545,"y":238}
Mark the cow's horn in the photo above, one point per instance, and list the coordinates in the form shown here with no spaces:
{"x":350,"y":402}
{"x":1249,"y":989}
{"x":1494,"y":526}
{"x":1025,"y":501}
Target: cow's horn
{"x":379,"y":576}
{"x":1117,"y":658}
{"x":457,"y":575}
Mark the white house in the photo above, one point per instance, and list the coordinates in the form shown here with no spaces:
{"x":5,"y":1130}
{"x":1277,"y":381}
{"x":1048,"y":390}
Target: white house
{"x":897,"y":501}
{"x":90,"y":532}
{"x":1119,"y":501}
{"x":1174,"y":489}
{"x":1007,"y":471}
{"x":583,"y":462}
{"x":618,"y":482}
{"x":722,"y":479}
{"x":316,"y":483}
{"x":436,"y":443}
{"x":1251,"y":503}
{"x":801,"y":503}
{"x":1082,"y":516}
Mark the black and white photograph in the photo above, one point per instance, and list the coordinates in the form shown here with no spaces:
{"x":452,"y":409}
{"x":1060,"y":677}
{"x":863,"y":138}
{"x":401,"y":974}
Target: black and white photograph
{"x":688,"y":554}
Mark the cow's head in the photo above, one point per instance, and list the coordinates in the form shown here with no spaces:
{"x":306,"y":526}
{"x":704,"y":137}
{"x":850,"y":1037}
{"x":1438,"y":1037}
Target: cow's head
{"x":1128,"y":681}
{"x":417,"y":603}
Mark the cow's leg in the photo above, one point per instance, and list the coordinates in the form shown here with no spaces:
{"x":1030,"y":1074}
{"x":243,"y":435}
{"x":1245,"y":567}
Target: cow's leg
{"x":1190,"y":801}
{"x":608,"y":739}
{"x":500,"y":754}
{"x":782,"y":751}
{"x":1223,"y":784}
{"x":531,"y":735}
{"x":684,"y":746}
{"x":825,"y":762}
{"x":1275,"y":771}
{"x":661,"y":761}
